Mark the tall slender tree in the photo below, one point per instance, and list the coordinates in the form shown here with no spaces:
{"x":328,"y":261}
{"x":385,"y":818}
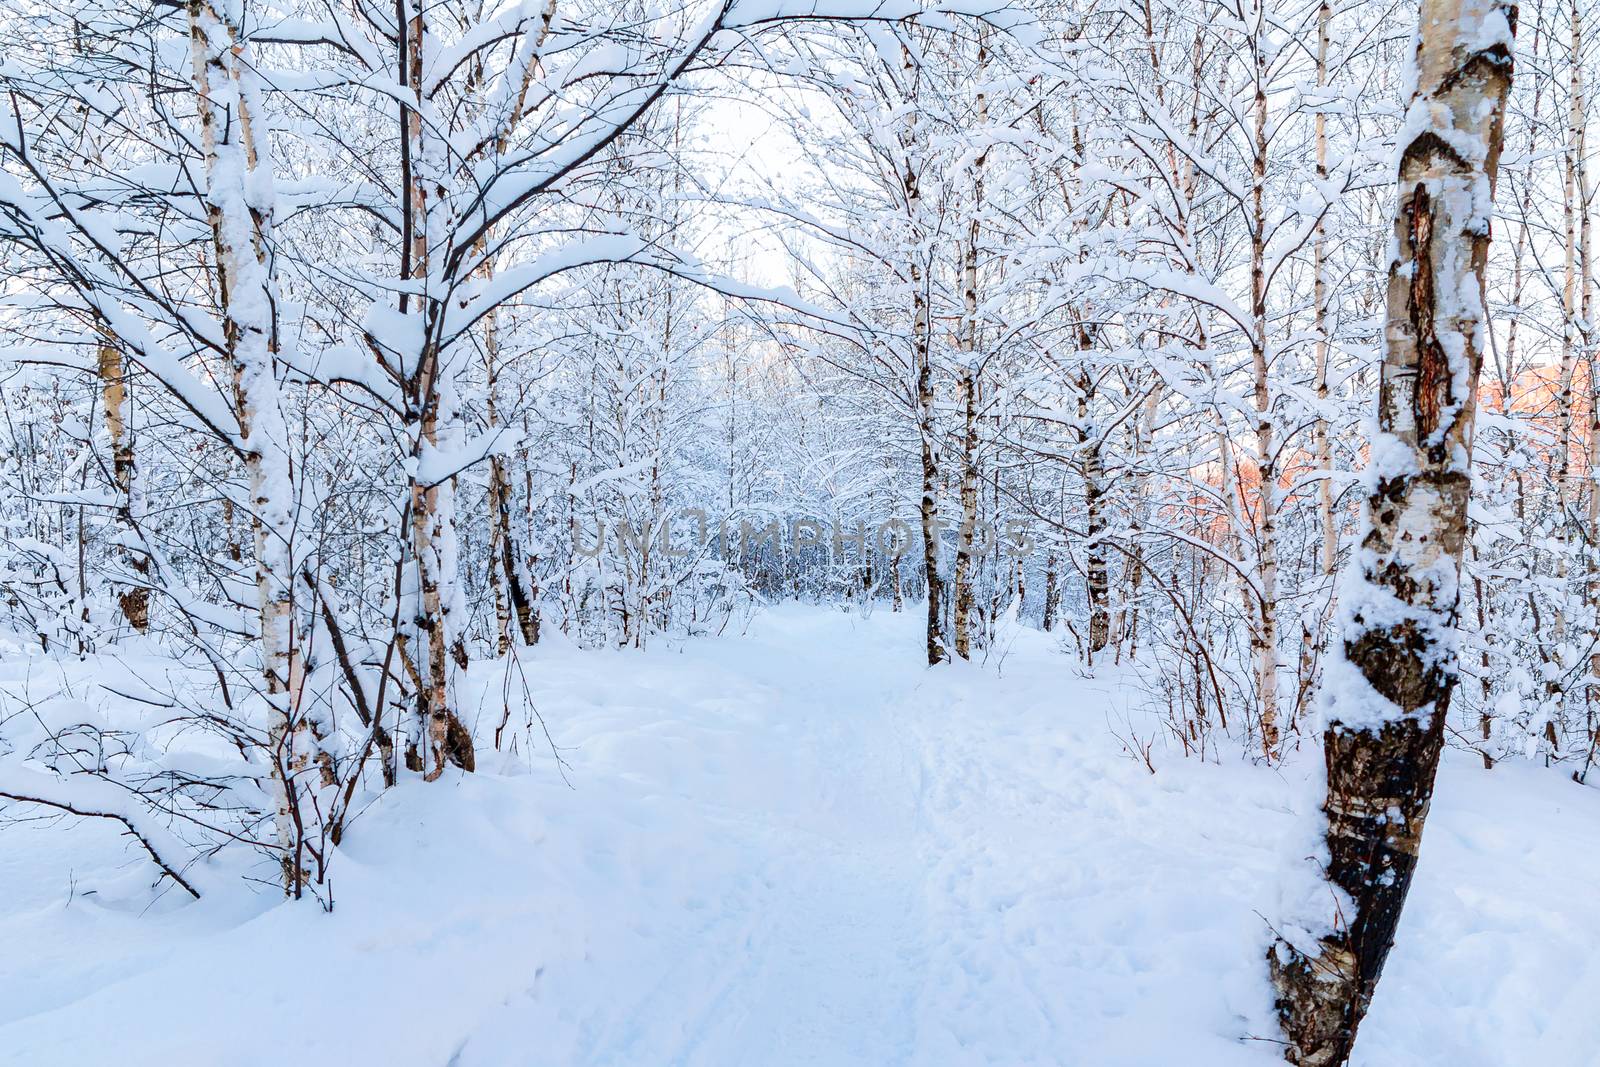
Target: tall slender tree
{"x":1389,"y":690}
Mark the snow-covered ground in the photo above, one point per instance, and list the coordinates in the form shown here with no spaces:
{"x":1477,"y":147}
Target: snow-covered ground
{"x":796,"y":846}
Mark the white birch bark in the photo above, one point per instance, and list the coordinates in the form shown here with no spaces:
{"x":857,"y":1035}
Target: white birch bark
{"x":239,"y":210}
{"x":1388,"y":689}
{"x":968,"y":387}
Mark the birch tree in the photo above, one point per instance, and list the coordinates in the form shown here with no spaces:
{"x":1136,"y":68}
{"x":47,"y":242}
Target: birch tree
{"x":1389,"y":689}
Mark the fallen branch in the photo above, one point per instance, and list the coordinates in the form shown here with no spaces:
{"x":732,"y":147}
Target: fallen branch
{"x":94,"y":798}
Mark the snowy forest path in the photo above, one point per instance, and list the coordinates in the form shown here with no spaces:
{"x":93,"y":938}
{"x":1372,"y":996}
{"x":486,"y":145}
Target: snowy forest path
{"x":924,"y":867}
{"x":800,"y":847}
{"x":817,"y":952}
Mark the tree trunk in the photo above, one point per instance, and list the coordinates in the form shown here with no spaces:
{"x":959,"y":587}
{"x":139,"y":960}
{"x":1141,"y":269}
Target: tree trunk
{"x":930,"y":490}
{"x":922,"y":361}
{"x":961,"y":623}
{"x":1568,"y":501}
{"x":1319,"y":289}
{"x":135,"y":600}
{"x":1096,"y":572}
{"x":238,"y":207}
{"x":1264,"y":636}
{"x":1591,"y":491}
{"x":1125,"y":625}
{"x":435,"y":426}
{"x":1389,"y":692}
{"x":507,"y":574}
{"x":1052,"y":593}
{"x":497,"y":550}
{"x":968,"y":399}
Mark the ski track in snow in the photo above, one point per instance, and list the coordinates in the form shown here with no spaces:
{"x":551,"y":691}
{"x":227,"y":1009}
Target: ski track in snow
{"x":799,"y":847}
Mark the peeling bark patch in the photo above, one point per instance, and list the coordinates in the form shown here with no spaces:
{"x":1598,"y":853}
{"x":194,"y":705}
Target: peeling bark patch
{"x":1432,"y":391}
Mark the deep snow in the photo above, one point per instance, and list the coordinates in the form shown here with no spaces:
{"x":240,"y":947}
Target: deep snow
{"x":797,"y":846}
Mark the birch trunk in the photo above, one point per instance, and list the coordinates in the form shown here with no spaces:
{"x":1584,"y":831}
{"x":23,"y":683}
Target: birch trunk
{"x":1125,"y":624}
{"x":499,"y":489}
{"x":968,"y":399}
{"x":508,"y":575}
{"x":1329,"y":555}
{"x":1264,"y":636}
{"x":922,"y":362}
{"x":113,"y":373}
{"x":1052,"y":594}
{"x":507,"y":571}
{"x":1096,"y":572}
{"x":435,"y":426}
{"x":1585,"y":327}
{"x":112,"y":370}
{"x":238,"y":208}
{"x":1389,"y":692}
{"x":930,"y":473}
{"x":1567,"y":500}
